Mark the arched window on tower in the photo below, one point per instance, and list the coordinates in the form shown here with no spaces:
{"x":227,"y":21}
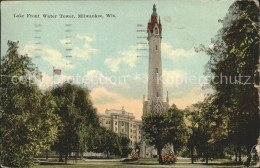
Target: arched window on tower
{"x":156,"y":47}
{"x":156,"y":70}
{"x":156,"y":30}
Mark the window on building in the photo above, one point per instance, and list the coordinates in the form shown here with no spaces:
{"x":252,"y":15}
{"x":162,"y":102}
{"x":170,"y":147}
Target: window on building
{"x":116,"y":129}
{"x":156,"y":47}
{"x":139,"y":132}
{"x":139,"y":137}
{"x":115,"y":123}
{"x":156,"y":30}
{"x":123,"y":124}
{"x":157,"y":94}
{"x":131,"y":136}
{"x":156,"y":70}
{"x":131,"y":125}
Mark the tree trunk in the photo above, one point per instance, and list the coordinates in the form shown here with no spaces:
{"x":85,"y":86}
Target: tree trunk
{"x":107,"y":154}
{"x":248,"y":153}
{"x":47,"y":154}
{"x":81,"y":155}
{"x":159,"y":151}
{"x":76,"y":157}
{"x":236,"y":155}
{"x":207,"y":160}
{"x":60,"y":157}
{"x":192,"y":155}
{"x":66,"y":158}
{"x":239,"y":154}
{"x":230,"y":156}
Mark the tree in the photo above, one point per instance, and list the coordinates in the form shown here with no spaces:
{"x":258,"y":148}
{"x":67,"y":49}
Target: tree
{"x":236,"y":46}
{"x":28,"y":124}
{"x":125,"y":148}
{"x":193,"y":139}
{"x":163,"y":128}
{"x":78,"y":117}
{"x":180,"y":133}
{"x":137,"y":147}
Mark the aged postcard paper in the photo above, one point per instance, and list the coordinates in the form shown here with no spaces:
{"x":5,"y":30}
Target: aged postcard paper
{"x":138,"y":82}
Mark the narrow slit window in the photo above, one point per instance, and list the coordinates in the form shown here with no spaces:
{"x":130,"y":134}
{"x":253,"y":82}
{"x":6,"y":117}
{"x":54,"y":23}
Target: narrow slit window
{"x":156,"y":47}
{"x":156,"y":70}
{"x":156,"y":30}
{"x":157,"y":94}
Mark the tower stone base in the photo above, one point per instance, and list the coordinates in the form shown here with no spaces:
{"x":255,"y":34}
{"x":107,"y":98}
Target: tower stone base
{"x":148,"y":151}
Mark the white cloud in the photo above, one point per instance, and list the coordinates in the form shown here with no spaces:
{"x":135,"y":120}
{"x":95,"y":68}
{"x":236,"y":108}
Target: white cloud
{"x":81,"y":52}
{"x":174,"y":54}
{"x":194,"y":95}
{"x":173,"y":78}
{"x":28,"y":49}
{"x":52,"y":56}
{"x":101,"y":93}
{"x":64,"y":41}
{"x":55,"y":58}
{"x":46,"y":81}
{"x":95,"y":78}
{"x":104,"y":99}
{"x":113,"y":64}
{"x":63,"y":78}
{"x":86,"y":38}
{"x":127,"y":57}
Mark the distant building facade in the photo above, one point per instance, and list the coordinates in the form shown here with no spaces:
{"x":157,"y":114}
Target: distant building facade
{"x":122,"y":123}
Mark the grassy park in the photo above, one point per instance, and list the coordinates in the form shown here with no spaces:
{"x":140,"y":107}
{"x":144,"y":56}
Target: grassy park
{"x":182,"y":162}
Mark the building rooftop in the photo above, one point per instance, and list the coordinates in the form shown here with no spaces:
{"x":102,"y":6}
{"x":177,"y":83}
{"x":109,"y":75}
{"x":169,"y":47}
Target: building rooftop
{"x":121,"y":112}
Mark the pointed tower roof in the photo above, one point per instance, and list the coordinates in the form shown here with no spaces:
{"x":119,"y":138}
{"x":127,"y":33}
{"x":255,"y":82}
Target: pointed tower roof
{"x":154,"y":21}
{"x":154,"y":10}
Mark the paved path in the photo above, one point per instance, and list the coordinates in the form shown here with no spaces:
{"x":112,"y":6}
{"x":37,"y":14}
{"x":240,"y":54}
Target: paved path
{"x":103,"y":160}
{"x":148,"y":164}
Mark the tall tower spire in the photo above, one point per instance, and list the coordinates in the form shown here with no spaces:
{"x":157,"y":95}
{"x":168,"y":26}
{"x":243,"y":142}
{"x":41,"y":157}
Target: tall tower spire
{"x":154,"y":103}
{"x":155,"y":86}
{"x":154,"y":10}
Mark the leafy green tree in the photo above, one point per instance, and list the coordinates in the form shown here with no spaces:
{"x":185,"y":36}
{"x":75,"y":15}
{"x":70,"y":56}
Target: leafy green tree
{"x":236,"y":46}
{"x":204,"y":124}
{"x":164,"y":128}
{"x":180,"y":131}
{"x":193,"y":117}
{"x":78,"y":117}
{"x":125,"y":146}
{"x":28,"y":124}
{"x":137,"y":147}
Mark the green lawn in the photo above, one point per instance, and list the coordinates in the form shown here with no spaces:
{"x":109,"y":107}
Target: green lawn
{"x":141,"y":163}
{"x":136,"y":166}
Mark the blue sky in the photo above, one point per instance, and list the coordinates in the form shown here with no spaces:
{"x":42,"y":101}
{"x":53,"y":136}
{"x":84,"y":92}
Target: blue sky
{"x":107,"y":47}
